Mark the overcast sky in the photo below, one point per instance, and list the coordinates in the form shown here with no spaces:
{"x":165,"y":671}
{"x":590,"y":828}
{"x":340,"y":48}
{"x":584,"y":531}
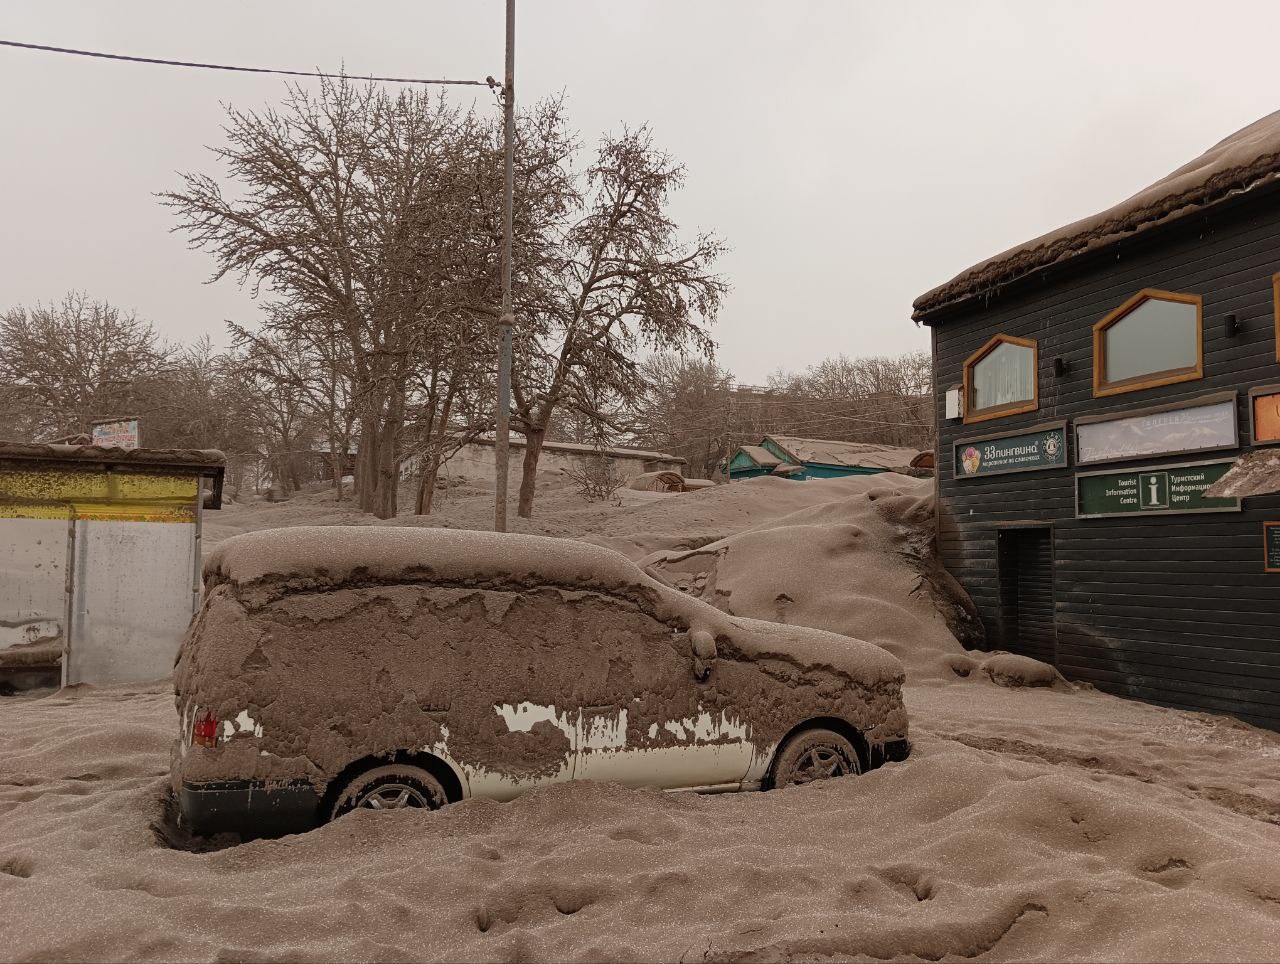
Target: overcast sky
{"x":854,"y":154}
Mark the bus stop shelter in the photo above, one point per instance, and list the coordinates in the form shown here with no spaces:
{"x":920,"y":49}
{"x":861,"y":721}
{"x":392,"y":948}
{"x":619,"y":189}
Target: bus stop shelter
{"x":99,"y":558}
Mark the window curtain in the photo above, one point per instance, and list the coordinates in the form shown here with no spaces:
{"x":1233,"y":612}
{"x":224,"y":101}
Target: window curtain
{"x":1003,"y":377}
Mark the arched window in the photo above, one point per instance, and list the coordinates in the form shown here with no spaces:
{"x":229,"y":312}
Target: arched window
{"x":1000,"y":379}
{"x":1154,"y":338}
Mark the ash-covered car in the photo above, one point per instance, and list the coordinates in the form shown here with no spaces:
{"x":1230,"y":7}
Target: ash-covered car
{"x":338,"y":667}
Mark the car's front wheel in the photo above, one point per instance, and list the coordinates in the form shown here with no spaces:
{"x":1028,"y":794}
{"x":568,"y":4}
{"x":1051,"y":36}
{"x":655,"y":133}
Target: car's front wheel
{"x":399,"y":786}
{"x":814,"y":755}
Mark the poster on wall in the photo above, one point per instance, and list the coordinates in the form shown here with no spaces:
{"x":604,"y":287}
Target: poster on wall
{"x":1264,"y":415}
{"x":1170,"y":431}
{"x":1271,"y":546}
{"x":1044,"y":447}
{"x":1155,"y":490}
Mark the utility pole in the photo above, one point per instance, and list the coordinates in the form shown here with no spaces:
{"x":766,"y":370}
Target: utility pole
{"x":501,"y":444}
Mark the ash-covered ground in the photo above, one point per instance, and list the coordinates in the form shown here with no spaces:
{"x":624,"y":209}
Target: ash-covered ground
{"x":1032,"y":822}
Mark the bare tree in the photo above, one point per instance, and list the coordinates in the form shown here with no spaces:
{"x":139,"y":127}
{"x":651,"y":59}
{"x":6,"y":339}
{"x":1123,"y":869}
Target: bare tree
{"x":691,"y":407}
{"x":596,"y":477}
{"x":617,"y":279}
{"x":317,"y":374}
{"x":265,"y":375}
{"x":193,"y":403}
{"x":372,"y":223}
{"x":347,"y":208}
{"x":873,"y":399}
{"x":686,"y":409}
{"x":64,"y":365}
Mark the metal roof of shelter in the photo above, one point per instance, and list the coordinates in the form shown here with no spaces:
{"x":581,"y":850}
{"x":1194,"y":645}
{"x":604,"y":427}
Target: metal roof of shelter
{"x":206,"y":463}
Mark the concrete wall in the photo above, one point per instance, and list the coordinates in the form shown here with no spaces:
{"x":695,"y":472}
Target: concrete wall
{"x":476,"y":461}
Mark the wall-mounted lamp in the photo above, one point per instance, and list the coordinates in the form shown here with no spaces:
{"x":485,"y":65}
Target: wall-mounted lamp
{"x":1231,"y":326}
{"x":1060,"y":366}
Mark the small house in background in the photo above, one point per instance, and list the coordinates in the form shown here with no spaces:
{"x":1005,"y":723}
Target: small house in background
{"x":477,"y":459}
{"x":790,"y":457}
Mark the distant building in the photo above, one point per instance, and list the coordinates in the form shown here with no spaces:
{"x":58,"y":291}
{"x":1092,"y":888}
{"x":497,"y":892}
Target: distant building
{"x":810,"y":458}
{"x":475,"y":460}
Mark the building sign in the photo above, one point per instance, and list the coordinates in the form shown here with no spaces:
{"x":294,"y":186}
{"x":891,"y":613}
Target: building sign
{"x":1264,"y":415}
{"x":122,"y":434}
{"x":1167,"y":490}
{"x":1271,"y":546}
{"x":1044,"y":448}
{"x":1197,"y":428}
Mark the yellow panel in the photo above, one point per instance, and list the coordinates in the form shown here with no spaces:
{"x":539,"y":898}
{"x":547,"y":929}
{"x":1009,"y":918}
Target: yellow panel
{"x":118,"y":496}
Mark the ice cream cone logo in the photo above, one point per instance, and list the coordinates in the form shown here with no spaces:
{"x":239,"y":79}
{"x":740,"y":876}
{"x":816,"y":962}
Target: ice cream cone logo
{"x":971,"y":458}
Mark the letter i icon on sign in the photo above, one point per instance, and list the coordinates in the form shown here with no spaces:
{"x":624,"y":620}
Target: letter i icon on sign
{"x":1153,"y":490}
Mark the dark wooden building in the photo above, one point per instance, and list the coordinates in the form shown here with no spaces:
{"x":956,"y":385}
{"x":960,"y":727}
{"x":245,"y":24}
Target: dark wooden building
{"x":1101,"y":379}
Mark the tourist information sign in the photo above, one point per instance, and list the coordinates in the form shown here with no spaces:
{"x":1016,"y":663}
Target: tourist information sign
{"x":1043,"y":447}
{"x":1162,"y":490}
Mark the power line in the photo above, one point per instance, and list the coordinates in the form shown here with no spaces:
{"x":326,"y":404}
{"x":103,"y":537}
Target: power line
{"x":246,"y":70}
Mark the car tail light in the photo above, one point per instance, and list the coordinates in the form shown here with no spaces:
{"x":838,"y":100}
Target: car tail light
{"x":204,"y":731}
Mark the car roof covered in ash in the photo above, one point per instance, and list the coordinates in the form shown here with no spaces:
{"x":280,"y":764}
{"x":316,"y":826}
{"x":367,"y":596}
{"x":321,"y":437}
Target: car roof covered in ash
{"x":334,"y":555}
{"x":274,"y":563}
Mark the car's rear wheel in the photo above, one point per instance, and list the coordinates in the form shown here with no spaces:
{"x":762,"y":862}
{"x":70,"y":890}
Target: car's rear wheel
{"x":398,"y":786}
{"x":814,"y":755}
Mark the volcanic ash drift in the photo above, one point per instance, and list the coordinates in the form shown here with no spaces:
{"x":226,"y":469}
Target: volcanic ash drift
{"x":1030,"y":823}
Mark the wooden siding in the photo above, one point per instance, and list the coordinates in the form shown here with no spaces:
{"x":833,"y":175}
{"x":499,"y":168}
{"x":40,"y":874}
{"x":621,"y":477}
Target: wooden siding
{"x":1172,"y":609}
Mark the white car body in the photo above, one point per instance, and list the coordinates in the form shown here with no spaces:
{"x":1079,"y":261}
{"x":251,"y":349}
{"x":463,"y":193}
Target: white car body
{"x":696,"y":699}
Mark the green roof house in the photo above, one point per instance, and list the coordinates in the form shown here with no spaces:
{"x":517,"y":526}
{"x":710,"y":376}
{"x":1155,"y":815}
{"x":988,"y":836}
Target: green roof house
{"x":808,"y":458}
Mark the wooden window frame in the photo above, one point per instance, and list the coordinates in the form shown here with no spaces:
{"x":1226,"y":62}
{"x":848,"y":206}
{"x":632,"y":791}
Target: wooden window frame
{"x":1151,"y":379}
{"x":1008,"y":408}
{"x":1275,"y":308}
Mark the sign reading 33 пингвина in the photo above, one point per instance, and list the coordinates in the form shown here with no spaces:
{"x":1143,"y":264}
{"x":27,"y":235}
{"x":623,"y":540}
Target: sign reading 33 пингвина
{"x":1027,"y":451}
{"x":1163,"y":490}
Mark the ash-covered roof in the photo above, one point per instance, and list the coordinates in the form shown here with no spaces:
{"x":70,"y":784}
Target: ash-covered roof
{"x":580,"y":448}
{"x":269,"y":564}
{"x":1245,"y":161}
{"x":761,"y":456}
{"x":1255,"y":473}
{"x":50,"y":452}
{"x":338,"y":554}
{"x":862,"y":455}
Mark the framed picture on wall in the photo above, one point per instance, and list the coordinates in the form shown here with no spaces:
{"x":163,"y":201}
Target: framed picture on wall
{"x":1264,"y":415}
